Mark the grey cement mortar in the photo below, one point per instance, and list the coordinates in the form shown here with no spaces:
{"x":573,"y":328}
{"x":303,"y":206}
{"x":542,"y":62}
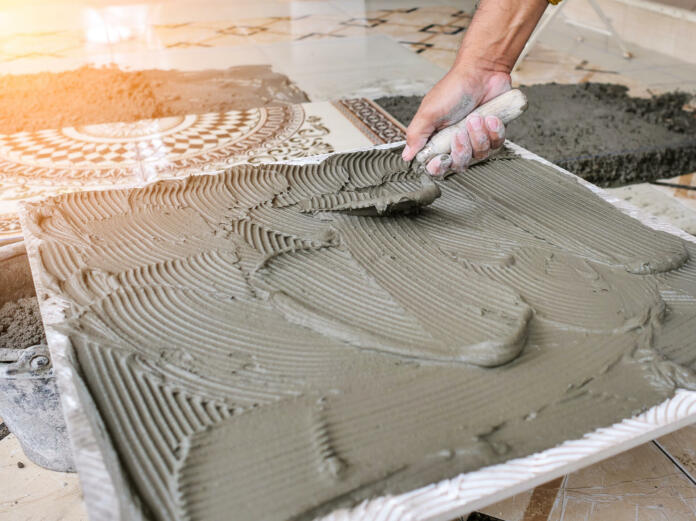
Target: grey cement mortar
{"x":597,"y":131}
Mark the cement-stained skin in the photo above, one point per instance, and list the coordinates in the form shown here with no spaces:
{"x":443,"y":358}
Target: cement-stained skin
{"x":251,"y":351}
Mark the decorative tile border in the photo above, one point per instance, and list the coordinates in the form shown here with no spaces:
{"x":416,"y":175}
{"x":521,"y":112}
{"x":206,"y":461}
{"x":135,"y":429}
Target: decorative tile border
{"x":372,"y":120}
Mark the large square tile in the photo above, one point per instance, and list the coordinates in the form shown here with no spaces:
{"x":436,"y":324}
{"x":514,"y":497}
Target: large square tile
{"x":353,"y":67}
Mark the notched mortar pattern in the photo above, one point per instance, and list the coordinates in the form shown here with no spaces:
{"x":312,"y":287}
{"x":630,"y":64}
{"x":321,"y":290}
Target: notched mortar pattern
{"x":247,"y":355}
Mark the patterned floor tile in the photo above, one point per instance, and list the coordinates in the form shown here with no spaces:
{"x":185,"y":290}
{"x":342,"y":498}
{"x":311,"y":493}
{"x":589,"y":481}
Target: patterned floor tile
{"x":440,"y":57}
{"x":640,"y":484}
{"x":445,"y":41}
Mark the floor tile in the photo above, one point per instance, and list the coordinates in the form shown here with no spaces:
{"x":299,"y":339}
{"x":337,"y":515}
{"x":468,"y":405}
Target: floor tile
{"x":511,"y":509}
{"x":649,"y":67}
{"x":450,"y":42}
{"x":640,"y":484}
{"x":353,"y":67}
{"x":362,"y":6}
{"x":687,"y":197}
{"x":650,"y":199}
{"x":31,"y":493}
{"x":681,"y":447}
{"x":188,"y":58}
{"x":441,"y":58}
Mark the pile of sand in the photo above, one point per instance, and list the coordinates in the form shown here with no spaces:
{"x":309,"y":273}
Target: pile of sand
{"x":20,"y":324}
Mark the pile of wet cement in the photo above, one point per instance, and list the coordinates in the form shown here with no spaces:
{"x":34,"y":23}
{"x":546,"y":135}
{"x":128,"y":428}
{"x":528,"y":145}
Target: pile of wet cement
{"x":91,"y":95}
{"x":20,"y":324}
{"x":598,"y":131}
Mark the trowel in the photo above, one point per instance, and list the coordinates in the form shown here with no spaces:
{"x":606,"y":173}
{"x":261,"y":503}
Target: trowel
{"x":508,"y":106}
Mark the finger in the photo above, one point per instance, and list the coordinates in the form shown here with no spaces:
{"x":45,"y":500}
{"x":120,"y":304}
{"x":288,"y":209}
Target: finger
{"x":439,"y":165}
{"x":496,"y":131}
{"x":417,"y":135}
{"x":461,"y":150}
{"x":480,"y":144}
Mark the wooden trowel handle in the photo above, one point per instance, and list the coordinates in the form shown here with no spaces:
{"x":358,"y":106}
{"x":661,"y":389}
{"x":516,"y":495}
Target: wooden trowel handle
{"x":507,"y":106}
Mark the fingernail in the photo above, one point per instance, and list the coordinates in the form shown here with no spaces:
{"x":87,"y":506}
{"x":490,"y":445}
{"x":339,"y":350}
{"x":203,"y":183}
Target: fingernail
{"x":445,"y":164}
{"x":493,"y":123}
{"x":432,"y":167}
{"x":406,"y":153}
{"x":476,"y":122}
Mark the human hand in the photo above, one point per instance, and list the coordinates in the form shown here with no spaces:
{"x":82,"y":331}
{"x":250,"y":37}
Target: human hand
{"x":450,"y":101}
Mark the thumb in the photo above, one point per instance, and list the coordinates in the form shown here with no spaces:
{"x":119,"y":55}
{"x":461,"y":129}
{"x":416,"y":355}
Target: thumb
{"x":417,"y":134}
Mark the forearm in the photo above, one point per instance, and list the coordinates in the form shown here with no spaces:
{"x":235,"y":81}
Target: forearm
{"x":497,"y":34}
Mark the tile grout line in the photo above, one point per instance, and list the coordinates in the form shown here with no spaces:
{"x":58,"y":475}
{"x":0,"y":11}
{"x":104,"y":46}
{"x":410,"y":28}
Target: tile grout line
{"x":675,"y":462}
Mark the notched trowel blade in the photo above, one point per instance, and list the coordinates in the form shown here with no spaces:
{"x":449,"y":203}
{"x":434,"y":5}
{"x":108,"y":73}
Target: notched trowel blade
{"x":377,"y":205}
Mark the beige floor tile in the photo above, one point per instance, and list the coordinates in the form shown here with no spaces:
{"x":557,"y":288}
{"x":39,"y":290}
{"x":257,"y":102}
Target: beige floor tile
{"x":449,"y":42}
{"x":685,"y":196}
{"x":441,"y":58}
{"x":32,"y":493}
{"x":639,"y":484}
{"x":298,"y":27}
{"x":419,"y":18}
{"x":353,"y":67}
{"x":162,"y":36}
{"x":411,"y":19}
{"x":681,"y":446}
{"x":349,"y":31}
{"x":660,"y":204}
{"x":402,"y":32}
{"x":511,"y":509}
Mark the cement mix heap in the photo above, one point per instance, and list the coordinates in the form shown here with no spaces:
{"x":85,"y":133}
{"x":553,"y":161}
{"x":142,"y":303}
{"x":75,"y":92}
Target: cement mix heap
{"x":251,"y":351}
